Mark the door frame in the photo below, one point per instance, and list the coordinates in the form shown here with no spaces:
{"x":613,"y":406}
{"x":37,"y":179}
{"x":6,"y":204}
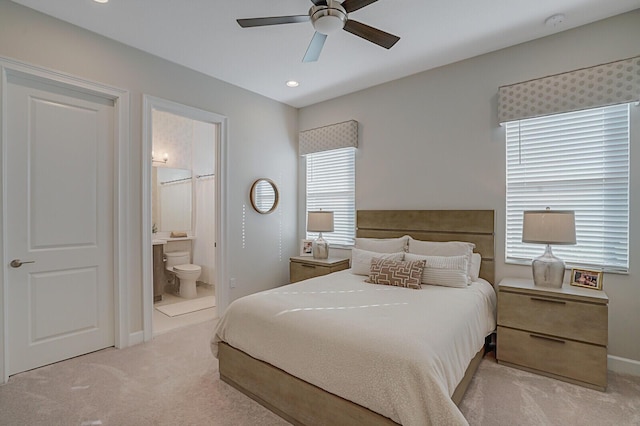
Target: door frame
{"x":151,"y":103}
{"x":121,"y":148}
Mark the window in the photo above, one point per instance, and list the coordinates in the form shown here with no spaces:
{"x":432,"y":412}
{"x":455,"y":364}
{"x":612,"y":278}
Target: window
{"x":572,"y":161}
{"x":331,"y":186}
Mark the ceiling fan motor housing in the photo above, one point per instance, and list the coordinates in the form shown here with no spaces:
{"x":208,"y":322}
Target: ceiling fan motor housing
{"x":328,"y":19}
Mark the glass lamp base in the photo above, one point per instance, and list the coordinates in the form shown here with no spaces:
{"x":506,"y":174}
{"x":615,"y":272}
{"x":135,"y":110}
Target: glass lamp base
{"x":548,"y":270}
{"x":320,"y":248}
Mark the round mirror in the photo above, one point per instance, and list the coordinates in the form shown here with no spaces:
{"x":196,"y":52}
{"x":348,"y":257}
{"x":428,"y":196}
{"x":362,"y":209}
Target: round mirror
{"x":264,"y":196}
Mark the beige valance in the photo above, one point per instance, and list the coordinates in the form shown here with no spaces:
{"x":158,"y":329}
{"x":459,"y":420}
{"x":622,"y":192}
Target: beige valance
{"x":602,"y":85}
{"x":334,"y":136}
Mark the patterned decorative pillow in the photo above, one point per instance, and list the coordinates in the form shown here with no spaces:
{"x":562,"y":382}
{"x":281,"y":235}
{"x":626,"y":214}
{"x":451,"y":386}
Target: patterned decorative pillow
{"x":396,"y":273}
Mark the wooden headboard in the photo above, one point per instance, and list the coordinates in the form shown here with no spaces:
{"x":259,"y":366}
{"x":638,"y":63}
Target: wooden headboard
{"x":474,"y":226}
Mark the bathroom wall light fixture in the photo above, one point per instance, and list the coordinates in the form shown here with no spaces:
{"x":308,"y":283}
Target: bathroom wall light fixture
{"x":165,"y":158}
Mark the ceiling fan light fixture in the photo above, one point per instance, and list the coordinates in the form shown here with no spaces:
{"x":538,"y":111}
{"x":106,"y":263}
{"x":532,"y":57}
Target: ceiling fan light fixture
{"x":328,"y":19}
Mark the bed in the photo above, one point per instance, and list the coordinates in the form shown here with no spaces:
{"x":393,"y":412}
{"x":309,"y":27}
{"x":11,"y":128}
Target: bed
{"x":336,"y":350}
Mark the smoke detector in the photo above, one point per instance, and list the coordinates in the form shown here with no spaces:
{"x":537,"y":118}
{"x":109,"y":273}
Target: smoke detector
{"x":555,"y":20}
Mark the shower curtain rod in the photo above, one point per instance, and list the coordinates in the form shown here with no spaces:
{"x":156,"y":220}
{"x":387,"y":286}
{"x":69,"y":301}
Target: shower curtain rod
{"x":184,"y":179}
{"x":175,"y":181}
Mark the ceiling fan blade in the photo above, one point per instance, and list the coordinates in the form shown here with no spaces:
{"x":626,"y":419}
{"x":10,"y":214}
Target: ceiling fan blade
{"x":319,"y":2}
{"x":371,"y":34}
{"x":274,"y":20}
{"x":315,"y":47}
{"x":351,"y":5}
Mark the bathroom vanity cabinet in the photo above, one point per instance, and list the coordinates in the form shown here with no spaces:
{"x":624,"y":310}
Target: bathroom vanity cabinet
{"x":158,"y":272}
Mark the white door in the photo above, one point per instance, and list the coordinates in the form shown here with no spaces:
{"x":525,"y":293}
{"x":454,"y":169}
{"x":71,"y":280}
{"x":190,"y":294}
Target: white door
{"x":59,"y":223}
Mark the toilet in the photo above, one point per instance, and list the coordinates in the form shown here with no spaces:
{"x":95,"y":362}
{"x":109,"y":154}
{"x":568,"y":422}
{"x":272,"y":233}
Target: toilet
{"x":178,"y":264}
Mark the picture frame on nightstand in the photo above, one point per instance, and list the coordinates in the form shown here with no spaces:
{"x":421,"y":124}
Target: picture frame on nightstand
{"x":587,"y":278}
{"x":306,"y":247}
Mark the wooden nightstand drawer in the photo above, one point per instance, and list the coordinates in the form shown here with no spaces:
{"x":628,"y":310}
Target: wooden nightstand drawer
{"x":556,"y":332}
{"x":303,"y":271}
{"x":555,"y":316}
{"x":564,"y":358}
{"x":302,"y":267}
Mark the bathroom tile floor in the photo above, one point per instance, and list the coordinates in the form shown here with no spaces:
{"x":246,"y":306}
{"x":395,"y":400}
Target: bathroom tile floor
{"x":163,"y":323}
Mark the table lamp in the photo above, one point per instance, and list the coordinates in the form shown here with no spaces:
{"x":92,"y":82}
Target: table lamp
{"x":548,"y":227}
{"x":320,"y":221}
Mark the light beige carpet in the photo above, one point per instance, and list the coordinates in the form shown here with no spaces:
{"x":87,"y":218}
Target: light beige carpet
{"x":170,"y":381}
{"x":173,"y":380}
{"x":188,"y":306}
{"x":500,"y":395}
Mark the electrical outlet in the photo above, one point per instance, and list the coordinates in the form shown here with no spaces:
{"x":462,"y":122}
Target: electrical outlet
{"x":232,"y":283}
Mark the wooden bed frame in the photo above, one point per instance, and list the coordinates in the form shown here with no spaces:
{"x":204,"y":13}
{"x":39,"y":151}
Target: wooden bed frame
{"x":302,"y":403}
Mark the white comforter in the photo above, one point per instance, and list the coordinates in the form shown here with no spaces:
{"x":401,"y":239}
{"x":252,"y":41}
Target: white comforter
{"x":397,"y":351}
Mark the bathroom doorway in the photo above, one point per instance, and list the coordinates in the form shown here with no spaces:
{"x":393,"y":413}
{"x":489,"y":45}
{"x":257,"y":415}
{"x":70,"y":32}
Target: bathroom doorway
{"x":183,"y":208}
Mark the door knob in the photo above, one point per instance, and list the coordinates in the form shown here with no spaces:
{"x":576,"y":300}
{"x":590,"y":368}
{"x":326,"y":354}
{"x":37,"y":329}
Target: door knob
{"x":16,"y":263}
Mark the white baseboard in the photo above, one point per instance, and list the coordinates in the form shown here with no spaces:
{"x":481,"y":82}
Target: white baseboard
{"x":136,"y":338}
{"x":623,"y":365}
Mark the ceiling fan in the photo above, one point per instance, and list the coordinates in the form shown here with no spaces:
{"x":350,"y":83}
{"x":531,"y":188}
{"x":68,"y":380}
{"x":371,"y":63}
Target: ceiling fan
{"x":328,"y":16}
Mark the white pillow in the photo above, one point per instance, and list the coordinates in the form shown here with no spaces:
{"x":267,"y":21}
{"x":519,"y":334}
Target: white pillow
{"x":474,"y":270}
{"x":448,"y":271}
{"x":383,"y":245}
{"x":440,"y":248}
{"x":443,"y":248}
{"x":361,"y":260}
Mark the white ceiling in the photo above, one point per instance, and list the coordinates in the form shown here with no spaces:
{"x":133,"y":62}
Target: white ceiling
{"x":203,"y":35}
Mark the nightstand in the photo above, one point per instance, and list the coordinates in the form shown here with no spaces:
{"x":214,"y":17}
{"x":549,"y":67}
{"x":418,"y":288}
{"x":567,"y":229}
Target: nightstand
{"x":303,"y":267}
{"x":560,"y":333}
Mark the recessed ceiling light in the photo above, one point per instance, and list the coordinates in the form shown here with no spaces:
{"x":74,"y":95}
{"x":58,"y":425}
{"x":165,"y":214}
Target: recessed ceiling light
{"x":101,"y":1}
{"x":292,"y":83}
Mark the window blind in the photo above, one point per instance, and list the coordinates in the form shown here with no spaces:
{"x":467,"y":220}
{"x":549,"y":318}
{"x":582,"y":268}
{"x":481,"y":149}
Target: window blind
{"x":572,"y":161}
{"x":331,"y":186}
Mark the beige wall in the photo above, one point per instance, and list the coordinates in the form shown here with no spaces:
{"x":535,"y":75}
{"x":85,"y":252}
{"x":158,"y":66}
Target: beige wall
{"x":432,"y":141}
{"x":262,"y":140}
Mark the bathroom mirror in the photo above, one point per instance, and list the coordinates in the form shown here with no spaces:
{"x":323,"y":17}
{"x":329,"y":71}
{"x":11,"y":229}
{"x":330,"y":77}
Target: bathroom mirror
{"x":172,"y":199}
{"x":264,"y":196}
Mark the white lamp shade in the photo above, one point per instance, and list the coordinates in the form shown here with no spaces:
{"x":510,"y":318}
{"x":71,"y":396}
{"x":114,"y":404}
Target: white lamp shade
{"x":320,"y":221}
{"x":549,"y":227}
